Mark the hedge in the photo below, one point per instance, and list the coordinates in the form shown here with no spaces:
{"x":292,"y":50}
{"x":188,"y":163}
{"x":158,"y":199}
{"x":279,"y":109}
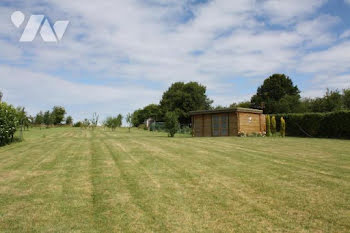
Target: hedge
{"x":328,"y":125}
{"x":8,"y":123}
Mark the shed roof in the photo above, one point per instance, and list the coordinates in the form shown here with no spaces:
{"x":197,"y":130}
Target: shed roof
{"x":228,"y":110}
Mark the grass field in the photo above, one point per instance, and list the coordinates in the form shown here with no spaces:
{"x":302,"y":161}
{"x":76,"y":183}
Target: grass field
{"x":73,"y":180}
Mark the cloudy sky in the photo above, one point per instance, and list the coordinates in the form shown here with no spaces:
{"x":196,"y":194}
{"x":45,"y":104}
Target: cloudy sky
{"x":120,"y":55}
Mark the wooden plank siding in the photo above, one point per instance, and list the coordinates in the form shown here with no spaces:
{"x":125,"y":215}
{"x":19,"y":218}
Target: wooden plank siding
{"x":220,"y":123}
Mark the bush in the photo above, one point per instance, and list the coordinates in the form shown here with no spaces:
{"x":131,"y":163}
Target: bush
{"x":78,"y":124}
{"x":283,"y":127}
{"x":142,"y":126}
{"x":171,"y":123}
{"x":268,"y":126}
{"x":273,"y":125}
{"x":329,"y":125}
{"x":8,"y":123}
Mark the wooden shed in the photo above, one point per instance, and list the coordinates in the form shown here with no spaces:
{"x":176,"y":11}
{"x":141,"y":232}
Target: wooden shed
{"x":227,"y":122}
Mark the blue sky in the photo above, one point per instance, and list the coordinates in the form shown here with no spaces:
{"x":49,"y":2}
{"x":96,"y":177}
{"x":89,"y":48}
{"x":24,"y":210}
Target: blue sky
{"x":120,"y":55}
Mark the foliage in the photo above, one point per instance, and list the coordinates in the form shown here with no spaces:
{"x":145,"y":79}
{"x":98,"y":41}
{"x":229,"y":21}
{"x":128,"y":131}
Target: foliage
{"x":273,"y":125}
{"x":182,"y":98}
{"x":274,"y":89}
{"x":69,"y":120}
{"x":8,"y":123}
{"x":171,"y":123}
{"x":246,"y":104}
{"x":47,"y":119}
{"x":283,"y":127}
{"x":268,"y":126}
{"x":94,"y":120}
{"x":346,"y":98}
{"x":39,"y":118}
{"x":23,"y":119}
{"x":330,"y":125}
{"x":142,"y":126}
{"x":78,"y":124}
{"x":1,"y":95}
{"x":129,"y":120}
{"x":150,"y":111}
{"x":85,"y":123}
{"x":113,"y":122}
{"x":58,"y":114}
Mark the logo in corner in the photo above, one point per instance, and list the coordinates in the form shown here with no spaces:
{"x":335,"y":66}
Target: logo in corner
{"x":39,"y":23}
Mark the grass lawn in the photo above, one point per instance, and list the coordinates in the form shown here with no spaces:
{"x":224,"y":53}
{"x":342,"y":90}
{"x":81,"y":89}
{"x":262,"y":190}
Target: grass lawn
{"x":73,"y":180}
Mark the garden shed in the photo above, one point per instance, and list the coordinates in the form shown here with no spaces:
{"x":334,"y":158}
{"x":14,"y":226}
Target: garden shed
{"x":227,"y":122}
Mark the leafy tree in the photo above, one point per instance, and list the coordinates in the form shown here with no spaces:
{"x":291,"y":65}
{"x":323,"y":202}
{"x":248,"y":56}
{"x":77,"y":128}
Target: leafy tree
{"x":85,"y":124}
{"x":246,"y":104}
{"x":39,"y":118}
{"x":273,"y":90}
{"x":171,"y":123}
{"x":182,"y":98}
{"x":94,"y":120}
{"x":129,"y":120}
{"x":8,"y":123}
{"x":23,"y":119}
{"x":1,"y":95}
{"x":112,"y":123}
{"x":69,"y":120}
{"x":47,"y":119}
{"x":150,"y":111}
{"x":119,"y":120}
{"x":58,"y":114}
{"x":346,"y":98}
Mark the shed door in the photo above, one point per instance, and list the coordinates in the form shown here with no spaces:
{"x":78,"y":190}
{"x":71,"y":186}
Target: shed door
{"x":220,"y":125}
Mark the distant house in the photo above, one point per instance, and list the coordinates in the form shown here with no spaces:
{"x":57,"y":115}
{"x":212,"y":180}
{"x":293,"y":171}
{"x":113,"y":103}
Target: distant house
{"x":227,"y":122}
{"x":149,"y":122}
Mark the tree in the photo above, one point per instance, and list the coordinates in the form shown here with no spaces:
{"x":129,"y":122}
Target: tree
{"x":94,"y":120}
{"x":171,"y":123}
{"x":58,"y":114}
{"x":182,"y":98}
{"x":150,"y":111}
{"x":129,"y":120}
{"x":69,"y":120}
{"x":245,"y":104}
{"x":273,"y":90}
{"x":47,"y":119}
{"x":1,"y":95}
{"x":119,"y":120}
{"x":8,"y":123}
{"x":39,"y":118}
{"x":346,"y":98}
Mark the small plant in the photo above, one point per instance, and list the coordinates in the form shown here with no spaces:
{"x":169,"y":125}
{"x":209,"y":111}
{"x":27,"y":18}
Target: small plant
{"x":242,"y":134}
{"x":268,"y":126}
{"x":273,"y":126}
{"x":171,"y":123}
{"x":283,"y":127}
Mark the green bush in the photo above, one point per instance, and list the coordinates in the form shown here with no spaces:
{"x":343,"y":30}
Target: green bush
{"x":8,"y":123}
{"x":172,"y":123}
{"x":273,"y":125}
{"x":268,"y":126}
{"x":328,"y":125}
{"x":283,"y":127}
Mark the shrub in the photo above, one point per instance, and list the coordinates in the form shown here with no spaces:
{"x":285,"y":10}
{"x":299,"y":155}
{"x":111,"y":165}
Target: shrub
{"x":268,"y":126}
{"x":78,"y":124}
{"x":8,"y":123}
{"x":273,"y":125}
{"x":283,"y":127}
{"x":329,"y":125}
{"x":142,"y":126}
{"x":171,"y":123}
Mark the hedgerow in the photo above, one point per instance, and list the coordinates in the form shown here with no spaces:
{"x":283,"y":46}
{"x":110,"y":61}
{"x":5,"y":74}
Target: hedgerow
{"x":328,"y":125}
{"x":8,"y":123}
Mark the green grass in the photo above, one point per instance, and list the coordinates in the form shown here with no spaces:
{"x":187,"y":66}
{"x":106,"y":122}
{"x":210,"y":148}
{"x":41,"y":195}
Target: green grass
{"x":73,"y":180}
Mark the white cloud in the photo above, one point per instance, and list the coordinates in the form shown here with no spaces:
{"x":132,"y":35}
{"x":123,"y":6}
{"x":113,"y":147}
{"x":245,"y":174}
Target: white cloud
{"x":122,"y":42}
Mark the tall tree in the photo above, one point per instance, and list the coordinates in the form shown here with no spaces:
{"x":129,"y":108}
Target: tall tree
{"x":129,"y":120}
{"x":274,"y":89}
{"x":182,"y":98}
{"x":58,"y":114}
{"x":346,"y":98}
{"x":47,"y":119}
{"x":69,"y":120}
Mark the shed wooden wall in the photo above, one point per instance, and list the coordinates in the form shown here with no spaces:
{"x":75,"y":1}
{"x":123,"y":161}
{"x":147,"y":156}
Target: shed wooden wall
{"x":237,"y":121}
{"x":249,"y":126}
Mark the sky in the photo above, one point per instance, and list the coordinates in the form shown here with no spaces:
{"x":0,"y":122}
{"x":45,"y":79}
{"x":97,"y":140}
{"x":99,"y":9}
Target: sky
{"x":120,"y":55}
